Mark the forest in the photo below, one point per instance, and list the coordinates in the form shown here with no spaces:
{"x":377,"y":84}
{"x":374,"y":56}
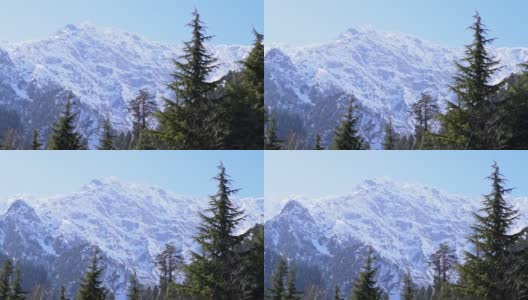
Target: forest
{"x":224,"y":114}
{"x":494,"y":269}
{"x":484,"y":115}
{"x":225,"y":266}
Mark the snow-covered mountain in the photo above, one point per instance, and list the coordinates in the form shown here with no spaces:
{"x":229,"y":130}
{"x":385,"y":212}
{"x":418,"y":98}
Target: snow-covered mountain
{"x":403,"y":222}
{"x":129,"y":223}
{"x":103,"y":67}
{"x":385,"y":71}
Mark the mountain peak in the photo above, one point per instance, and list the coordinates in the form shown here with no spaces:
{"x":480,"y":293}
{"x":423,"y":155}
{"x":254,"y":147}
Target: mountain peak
{"x":20,"y":209}
{"x":294,"y":207}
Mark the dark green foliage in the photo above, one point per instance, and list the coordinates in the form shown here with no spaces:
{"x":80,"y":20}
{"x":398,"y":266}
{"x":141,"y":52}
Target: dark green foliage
{"x":16,"y":292}
{"x":279,"y":277}
{"x":63,"y":293}
{"x":5,"y":279}
{"x":408,"y":291}
{"x":190,"y":121}
{"x":443,"y":263}
{"x":9,"y":140}
{"x":168,"y":262}
{"x":64,"y":136}
{"x":107,"y":137}
{"x":346,"y":135}
{"x":134,"y":287}
{"x":424,"y":111}
{"x":365,"y":286}
{"x":35,"y":144}
{"x":272,"y":142}
{"x":212,"y":272}
{"x":91,"y":286}
{"x":337,"y":293}
{"x":291,"y":291}
{"x":390,"y":139}
{"x":243,"y":102}
{"x":515,"y":110}
{"x":484,"y":272}
{"x":251,"y":269}
{"x":141,"y":108}
{"x":473,"y":122}
{"x":318,"y":143}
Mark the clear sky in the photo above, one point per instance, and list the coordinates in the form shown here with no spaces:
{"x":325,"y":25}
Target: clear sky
{"x":186,"y":173}
{"x":323,"y":173}
{"x":444,"y":22}
{"x":161,"y":20}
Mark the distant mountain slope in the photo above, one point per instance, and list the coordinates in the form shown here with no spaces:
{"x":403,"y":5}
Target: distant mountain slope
{"x":105,"y":68}
{"x":130,"y":223}
{"x":385,"y":71}
{"x":403,"y":222}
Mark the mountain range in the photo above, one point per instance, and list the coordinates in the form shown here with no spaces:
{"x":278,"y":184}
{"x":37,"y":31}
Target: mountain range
{"x":104,"y":68}
{"x":327,"y":238}
{"x":310,"y":86}
{"x":130,"y":224}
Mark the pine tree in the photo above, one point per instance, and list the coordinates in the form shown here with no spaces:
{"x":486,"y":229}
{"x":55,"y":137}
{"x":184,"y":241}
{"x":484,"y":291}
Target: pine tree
{"x":91,"y":287}
{"x":142,"y":107}
{"x":213,"y":269}
{"x":243,"y":102}
{"x":5,"y":279}
{"x":472,"y":122}
{"x":9,"y":140}
{"x":63,"y":293}
{"x":291,"y":290}
{"x":408,"y":291}
{"x":35,"y":144}
{"x":484,"y":273}
{"x":190,"y":122}
{"x":365,"y":286}
{"x":107,"y":137}
{"x":346,"y":135}
{"x":169,"y":262}
{"x":272,"y":142}
{"x":16,"y":292}
{"x":134,"y":288}
{"x":64,"y":136}
{"x":318,"y":143}
{"x":424,"y":111}
{"x":443,"y":262}
{"x":277,"y":290}
{"x":390,"y":139}
{"x":337,"y":293}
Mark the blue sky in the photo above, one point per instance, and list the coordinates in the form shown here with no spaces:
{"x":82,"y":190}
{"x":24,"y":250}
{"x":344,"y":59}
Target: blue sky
{"x":183,"y":172}
{"x":310,"y":21}
{"x":320,"y":173}
{"x":161,"y":20}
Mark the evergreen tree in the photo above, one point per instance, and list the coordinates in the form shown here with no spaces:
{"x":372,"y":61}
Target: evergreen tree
{"x":63,"y":293}
{"x":142,"y":107}
{"x":16,"y":292}
{"x":424,"y":111}
{"x":169,"y":262}
{"x":443,"y":262}
{"x":346,"y":135}
{"x":244,"y":102}
{"x":408,"y":291}
{"x":5,"y":279}
{"x":318,"y":143}
{"x":107,"y":138}
{"x":484,"y":273}
{"x":9,"y":140}
{"x":390,"y":139}
{"x":365,"y":287}
{"x":91,"y":287}
{"x":272,"y":142}
{"x":212,"y":271}
{"x":36,"y":144}
{"x":337,"y":293}
{"x":190,"y":122}
{"x":472,"y":122}
{"x":277,"y":290}
{"x":134,"y":288}
{"x":291,"y":290}
{"x":64,"y":136}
